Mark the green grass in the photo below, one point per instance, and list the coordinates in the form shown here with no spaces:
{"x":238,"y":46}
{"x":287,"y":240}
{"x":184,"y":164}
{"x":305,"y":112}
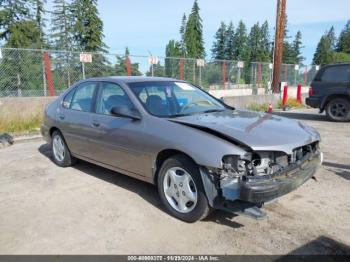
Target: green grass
{"x":258,"y":107}
{"x":16,"y":118}
{"x":14,"y":126}
{"x":291,"y":102}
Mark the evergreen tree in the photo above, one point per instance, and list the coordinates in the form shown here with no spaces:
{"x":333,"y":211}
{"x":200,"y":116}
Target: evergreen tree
{"x":87,"y":32}
{"x":230,"y":42}
{"x":61,"y":36}
{"x":219,"y":46}
{"x":194,"y":35}
{"x":343,"y":44}
{"x":182,"y":34}
{"x":173,"y":49}
{"x":264,"y":43}
{"x":24,"y":34}
{"x":254,"y":43}
{"x":39,"y":12}
{"x":259,"y":47}
{"x":62,"y":21}
{"x":21,"y":26}
{"x":88,"y":27}
{"x":120,"y":68}
{"x":13,"y":11}
{"x":288,"y":56}
{"x":252,"y":52}
{"x":297,"y":46}
{"x":158,"y":70}
{"x":332,"y":38}
{"x":240,"y":42}
{"x":324,"y":52}
{"x":39,"y":18}
{"x":341,"y":57}
{"x":20,"y":66}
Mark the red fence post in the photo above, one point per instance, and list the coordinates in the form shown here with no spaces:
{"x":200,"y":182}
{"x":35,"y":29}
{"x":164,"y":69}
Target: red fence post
{"x":48,"y":73}
{"x":224,"y":74}
{"x":128,"y":65}
{"x":181,"y":68}
{"x":285,"y":95}
{"x":299,"y":94}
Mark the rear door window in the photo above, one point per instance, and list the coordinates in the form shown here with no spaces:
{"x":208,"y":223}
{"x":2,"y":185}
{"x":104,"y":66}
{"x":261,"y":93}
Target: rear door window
{"x":83,"y":97}
{"x":336,"y":74}
{"x":68,"y":99}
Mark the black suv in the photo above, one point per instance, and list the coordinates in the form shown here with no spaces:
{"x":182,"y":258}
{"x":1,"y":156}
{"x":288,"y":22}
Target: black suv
{"x":330,"y":91}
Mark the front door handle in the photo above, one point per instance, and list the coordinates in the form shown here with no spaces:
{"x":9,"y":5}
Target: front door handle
{"x":95,"y":124}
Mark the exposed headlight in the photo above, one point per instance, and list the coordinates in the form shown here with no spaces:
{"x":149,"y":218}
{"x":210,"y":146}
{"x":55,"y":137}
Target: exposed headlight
{"x":254,"y":164}
{"x":234,"y":165}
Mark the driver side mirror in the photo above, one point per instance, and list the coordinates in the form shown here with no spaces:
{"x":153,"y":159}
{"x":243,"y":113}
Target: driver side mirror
{"x":126,"y":112}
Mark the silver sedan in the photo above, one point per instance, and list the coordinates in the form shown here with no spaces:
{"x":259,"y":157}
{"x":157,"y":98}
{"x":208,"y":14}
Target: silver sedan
{"x":201,"y":153}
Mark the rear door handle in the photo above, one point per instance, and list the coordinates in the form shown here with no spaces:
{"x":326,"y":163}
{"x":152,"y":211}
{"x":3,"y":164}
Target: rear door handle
{"x":61,"y":117}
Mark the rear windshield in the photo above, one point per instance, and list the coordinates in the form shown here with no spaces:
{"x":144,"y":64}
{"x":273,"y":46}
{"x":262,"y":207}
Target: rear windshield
{"x":336,"y":74}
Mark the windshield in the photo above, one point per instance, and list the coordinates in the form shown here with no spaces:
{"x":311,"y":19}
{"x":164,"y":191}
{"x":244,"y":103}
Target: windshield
{"x":172,"y":99}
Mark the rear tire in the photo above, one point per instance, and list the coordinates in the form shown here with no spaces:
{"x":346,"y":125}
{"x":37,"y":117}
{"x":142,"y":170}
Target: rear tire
{"x":338,"y":109}
{"x":181,"y":190}
{"x":60,"y":152}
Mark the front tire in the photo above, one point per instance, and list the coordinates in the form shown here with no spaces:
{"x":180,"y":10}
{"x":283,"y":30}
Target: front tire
{"x":181,"y":189}
{"x":60,"y":152}
{"x":338,"y":110}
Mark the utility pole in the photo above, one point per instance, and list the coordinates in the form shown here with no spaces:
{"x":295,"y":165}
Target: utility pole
{"x":278,"y":46}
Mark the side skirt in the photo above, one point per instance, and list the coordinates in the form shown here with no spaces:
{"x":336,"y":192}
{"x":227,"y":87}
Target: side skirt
{"x":116,"y":169}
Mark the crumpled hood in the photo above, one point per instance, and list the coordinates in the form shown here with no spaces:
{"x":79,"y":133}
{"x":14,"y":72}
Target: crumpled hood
{"x":259,"y":131}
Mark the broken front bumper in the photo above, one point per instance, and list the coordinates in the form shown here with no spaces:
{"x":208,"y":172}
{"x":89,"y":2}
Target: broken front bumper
{"x":246,"y":197}
{"x":261,"y":189}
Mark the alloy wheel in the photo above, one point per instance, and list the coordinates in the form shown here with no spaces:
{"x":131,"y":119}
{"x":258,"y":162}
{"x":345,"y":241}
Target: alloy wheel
{"x":58,"y":148}
{"x":338,"y":110}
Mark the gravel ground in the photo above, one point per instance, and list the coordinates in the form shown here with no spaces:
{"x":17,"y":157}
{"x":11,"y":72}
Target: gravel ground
{"x":87,"y":209}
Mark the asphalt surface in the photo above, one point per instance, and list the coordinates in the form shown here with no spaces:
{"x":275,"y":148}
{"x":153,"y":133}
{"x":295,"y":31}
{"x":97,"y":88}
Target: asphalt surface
{"x":86,"y":209}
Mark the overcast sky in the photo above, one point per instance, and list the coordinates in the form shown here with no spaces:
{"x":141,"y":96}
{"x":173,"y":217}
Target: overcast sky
{"x":147,"y":25}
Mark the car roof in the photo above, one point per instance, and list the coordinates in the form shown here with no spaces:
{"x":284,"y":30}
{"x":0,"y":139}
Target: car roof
{"x":131,"y":79}
{"x":337,"y":64}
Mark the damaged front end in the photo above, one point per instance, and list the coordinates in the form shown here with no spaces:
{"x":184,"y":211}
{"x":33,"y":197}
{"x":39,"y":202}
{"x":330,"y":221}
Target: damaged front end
{"x":245,"y":183}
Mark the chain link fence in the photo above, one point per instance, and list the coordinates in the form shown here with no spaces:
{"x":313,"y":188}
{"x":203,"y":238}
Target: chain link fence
{"x":24,"y":72}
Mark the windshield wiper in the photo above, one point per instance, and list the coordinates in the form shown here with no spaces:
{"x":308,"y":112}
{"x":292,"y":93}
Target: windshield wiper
{"x":178,"y":115}
{"x":196,"y":113}
{"x":213,"y":110}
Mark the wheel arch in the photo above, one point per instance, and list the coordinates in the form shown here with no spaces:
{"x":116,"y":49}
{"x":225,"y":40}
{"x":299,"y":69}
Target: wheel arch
{"x":328,"y":98}
{"x":164,"y":155}
{"x":53,"y":129}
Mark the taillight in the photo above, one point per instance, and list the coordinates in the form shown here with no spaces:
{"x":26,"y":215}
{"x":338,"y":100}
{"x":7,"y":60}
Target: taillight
{"x":311,"y":92}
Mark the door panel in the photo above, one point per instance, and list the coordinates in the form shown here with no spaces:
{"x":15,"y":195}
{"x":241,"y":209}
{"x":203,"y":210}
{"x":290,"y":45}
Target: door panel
{"x":117,"y":140}
{"x":77,"y":132}
{"x":75,"y":119}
